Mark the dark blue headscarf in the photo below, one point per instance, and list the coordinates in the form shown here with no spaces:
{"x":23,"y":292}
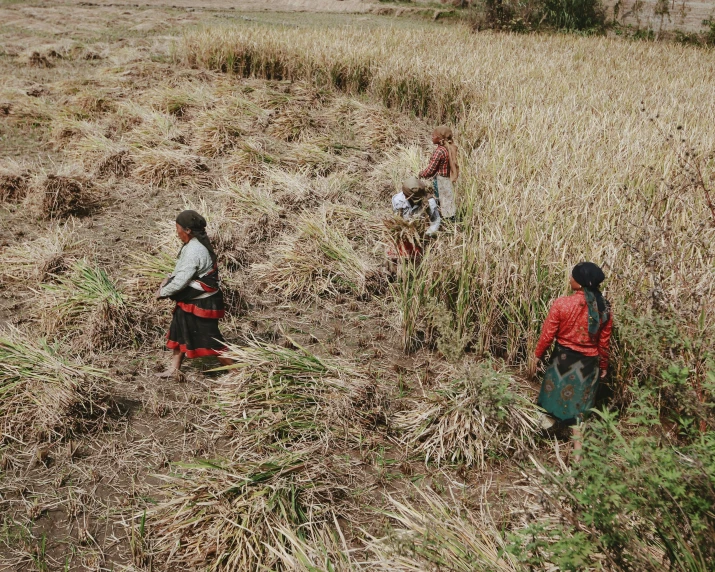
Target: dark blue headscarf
{"x":590,"y":276}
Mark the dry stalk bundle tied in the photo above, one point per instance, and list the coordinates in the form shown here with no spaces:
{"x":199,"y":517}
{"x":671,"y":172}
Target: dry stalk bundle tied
{"x":479,"y":411}
{"x":160,"y":166}
{"x":431,"y":533}
{"x":104,"y":156}
{"x":68,"y":192}
{"x":43,"y":259}
{"x":319,"y":260}
{"x":278,"y":395}
{"x":230,"y":517}
{"x":46,"y":396}
{"x":90,"y":309}
{"x":400,"y":231}
{"x":14,"y":182}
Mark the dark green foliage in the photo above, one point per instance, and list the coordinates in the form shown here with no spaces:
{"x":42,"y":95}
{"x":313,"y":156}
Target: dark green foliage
{"x":573,"y":14}
{"x":641,"y":499}
{"x":528,"y":15}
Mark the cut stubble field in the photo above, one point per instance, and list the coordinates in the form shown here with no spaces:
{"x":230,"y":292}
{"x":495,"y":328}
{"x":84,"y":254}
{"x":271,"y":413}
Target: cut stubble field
{"x":375,"y":421}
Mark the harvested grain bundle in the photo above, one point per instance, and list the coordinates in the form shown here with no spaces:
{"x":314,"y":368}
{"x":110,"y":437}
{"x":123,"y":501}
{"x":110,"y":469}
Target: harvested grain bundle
{"x":14,"y":181}
{"x":298,"y":189}
{"x":218,"y":130}
{"x":229,"y":516}
{"x":17,"y":105}
{"x":66,"y":129}
{"x":250,"y":157}
{"x":311,"y":157}
{"x":367,"y":126}
{"x":275,"y":395}
{"x":400,"y":232}
{"x":180,"y":100}
{"x":157,"y":167}
{"x":430,"y":533}
{"x":44,"y":395}
{"x":105,"y":156}
{"x":88,"y":307}
{"x":67,"y":192}
{"x":42,"y":259}
{"x":480,"y":410}
{"x":318,"y":260}
{"x":148,"y":128}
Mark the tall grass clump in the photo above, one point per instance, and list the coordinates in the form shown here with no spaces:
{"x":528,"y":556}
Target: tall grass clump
{"x":477,"y":414}
{"x":45,"y":396}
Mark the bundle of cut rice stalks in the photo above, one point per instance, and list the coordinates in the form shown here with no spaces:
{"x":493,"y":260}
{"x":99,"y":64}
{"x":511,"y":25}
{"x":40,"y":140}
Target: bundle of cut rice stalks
{"x":218,"y":130}
{"x":400,"y":232}
{"x":275,"y":396}
{"x":430,"y":533}
{"x":69,"y":191}
{"x":14,"y":181}
{"x":479,"y":411}
{"x":319,"y":260}
{"x":231,"y":517}
{"x":88,"y":307}
{"x":104,"y":156}
{"x":42,"y":259}
{"x":44,"y":395}
{"x":160,"y":166}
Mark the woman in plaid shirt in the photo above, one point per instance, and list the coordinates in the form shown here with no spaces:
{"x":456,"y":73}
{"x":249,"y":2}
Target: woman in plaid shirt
{"x":445,"y":170}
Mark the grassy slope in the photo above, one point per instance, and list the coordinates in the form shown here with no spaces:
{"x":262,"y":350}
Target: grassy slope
{"x":321,"y":448}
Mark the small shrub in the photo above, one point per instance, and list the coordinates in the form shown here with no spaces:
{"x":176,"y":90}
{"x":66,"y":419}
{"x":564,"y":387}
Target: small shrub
{"x":646,"y":503}
{"x":573,"y":14}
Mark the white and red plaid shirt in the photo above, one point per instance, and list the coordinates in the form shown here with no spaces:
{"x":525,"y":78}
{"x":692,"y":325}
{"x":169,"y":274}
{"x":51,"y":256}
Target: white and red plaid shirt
{"x":438,"y":164}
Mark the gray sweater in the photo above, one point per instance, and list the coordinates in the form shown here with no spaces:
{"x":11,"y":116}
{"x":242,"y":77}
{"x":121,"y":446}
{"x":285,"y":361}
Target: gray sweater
{"x":194,"y":260}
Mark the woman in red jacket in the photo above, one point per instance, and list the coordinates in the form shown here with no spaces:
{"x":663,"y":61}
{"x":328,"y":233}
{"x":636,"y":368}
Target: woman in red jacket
{"x":581,"y":324}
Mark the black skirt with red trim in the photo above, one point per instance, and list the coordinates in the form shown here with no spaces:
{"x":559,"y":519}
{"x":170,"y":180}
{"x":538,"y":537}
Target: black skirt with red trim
{"x":194,"y":327}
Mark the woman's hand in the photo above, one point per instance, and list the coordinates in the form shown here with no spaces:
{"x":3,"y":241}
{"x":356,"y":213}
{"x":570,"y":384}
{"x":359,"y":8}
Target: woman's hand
{"x":163,"y":283}
{"x":533,"y":367}
{"x":603,"y":373}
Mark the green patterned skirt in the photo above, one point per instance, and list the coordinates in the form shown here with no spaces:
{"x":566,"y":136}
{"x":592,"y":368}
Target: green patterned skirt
{"x":569,"y":386}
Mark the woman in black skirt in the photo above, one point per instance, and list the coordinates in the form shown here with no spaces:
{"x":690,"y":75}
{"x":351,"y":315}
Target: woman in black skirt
{"x":194,"y":286}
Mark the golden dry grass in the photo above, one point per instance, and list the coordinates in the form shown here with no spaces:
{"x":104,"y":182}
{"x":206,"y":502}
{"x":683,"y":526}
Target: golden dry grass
{"x":560,"y":162}
{"x":293,"y":167}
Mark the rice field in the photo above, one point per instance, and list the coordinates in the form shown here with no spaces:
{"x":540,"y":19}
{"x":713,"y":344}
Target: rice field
{"x":376,"y":418}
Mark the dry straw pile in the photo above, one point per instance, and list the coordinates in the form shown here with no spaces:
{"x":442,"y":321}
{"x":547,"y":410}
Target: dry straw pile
{"x":46,"y":396}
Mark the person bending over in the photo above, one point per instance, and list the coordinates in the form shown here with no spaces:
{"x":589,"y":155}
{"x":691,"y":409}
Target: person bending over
{"x":194,"y":286}
{"x":581,"y":324}
{"x":444,"y":168}
{"x":412,"y":203}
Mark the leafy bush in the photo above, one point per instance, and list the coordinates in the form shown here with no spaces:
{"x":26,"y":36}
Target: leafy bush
{"x":573,"y":14}
{"x":527,"y":15}
{"x":639,"y":499}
